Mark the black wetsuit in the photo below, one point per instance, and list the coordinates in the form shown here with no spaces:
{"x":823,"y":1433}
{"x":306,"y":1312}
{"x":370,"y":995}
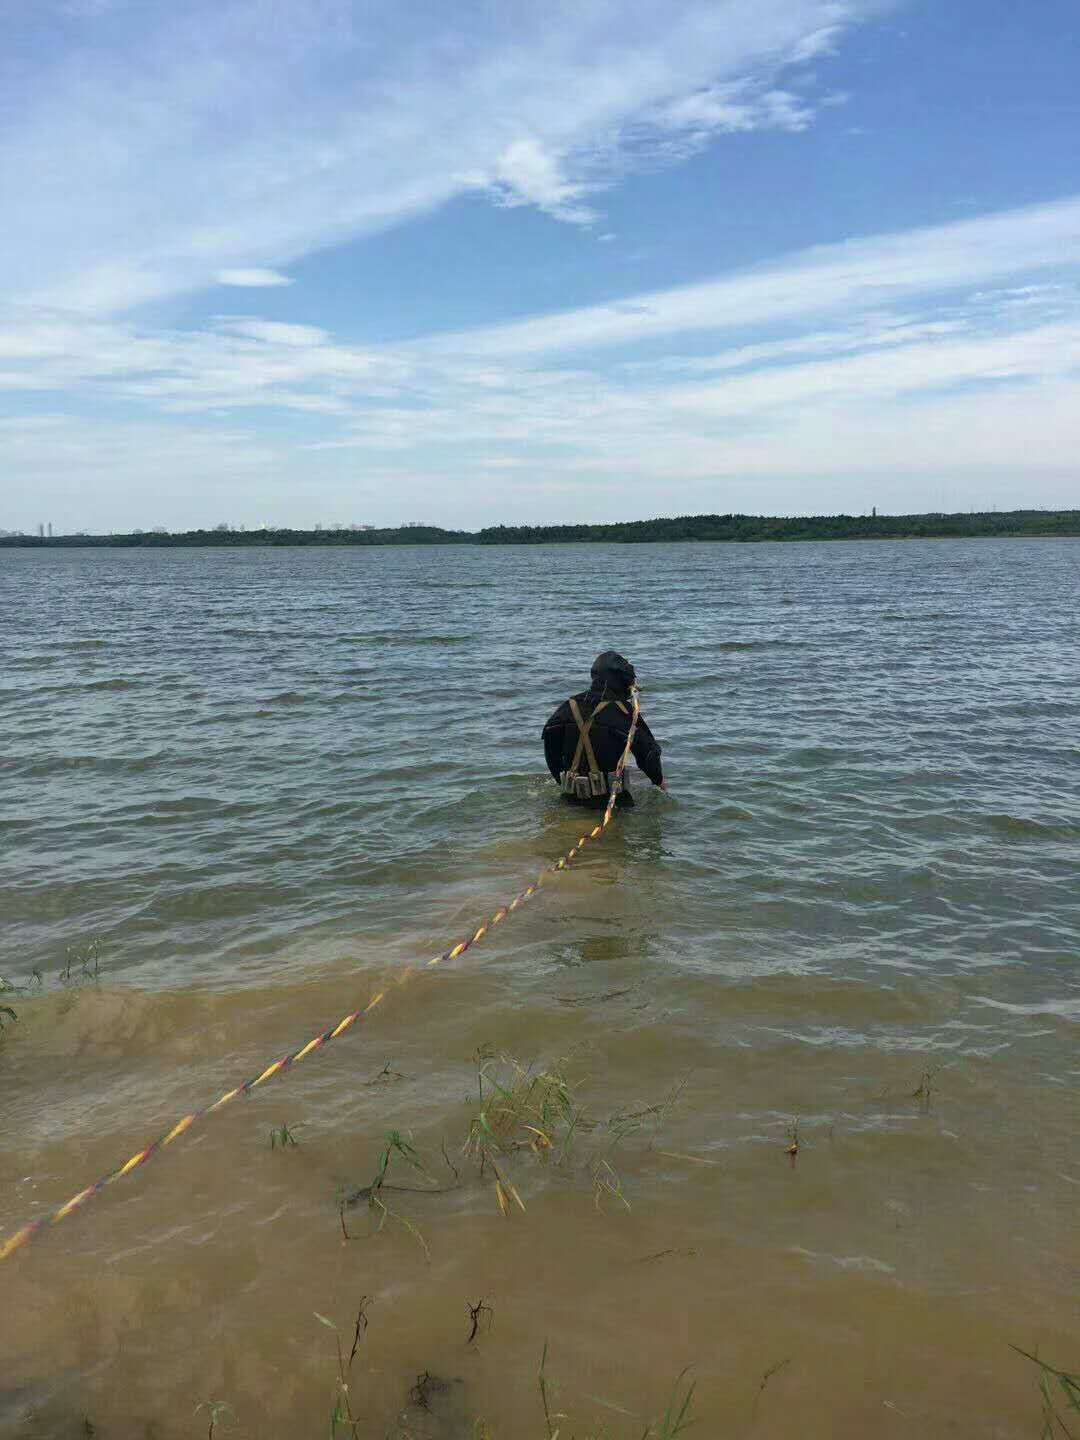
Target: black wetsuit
{"x":608,"y":735}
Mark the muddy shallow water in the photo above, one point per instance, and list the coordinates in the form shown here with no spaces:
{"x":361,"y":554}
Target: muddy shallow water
{"x":268,"y":783}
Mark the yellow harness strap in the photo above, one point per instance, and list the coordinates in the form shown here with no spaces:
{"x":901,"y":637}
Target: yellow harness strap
{"x":584,"y":743}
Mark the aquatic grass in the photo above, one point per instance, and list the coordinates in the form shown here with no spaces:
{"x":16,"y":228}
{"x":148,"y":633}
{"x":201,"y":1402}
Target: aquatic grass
{"x":687,"y":1253}
{"x":646,"y":1117}
{"x":606,"y":1183}
{"x":215,"y":1409}
{"x":517,"y":1110}
{"x":536,"y":1112}
{"x":924,"y":1091}
{"x":676,"y":1418}
{"x":342,"y":1417}
{"x":281,"y":1137}
{"x":792,"y":1151}
{"x":82,"y":963}
{"x":396,"y":1147}
{"x":478,"y":1313}
{"x":8,"y":1013}
{"x":547,"y":1398}
{"x":675,"y":1421}
{"x":766,"y":1377}
{"x":525,"y":1110}
{"x":387,"y":1075}
{"x":1059,"y":1388}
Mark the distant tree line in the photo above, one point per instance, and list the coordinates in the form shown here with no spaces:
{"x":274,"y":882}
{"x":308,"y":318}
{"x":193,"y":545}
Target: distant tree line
{"x":738,"y":528}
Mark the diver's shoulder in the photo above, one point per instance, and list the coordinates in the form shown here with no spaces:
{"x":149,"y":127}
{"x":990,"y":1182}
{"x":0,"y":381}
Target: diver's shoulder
{"x":562,"y":711}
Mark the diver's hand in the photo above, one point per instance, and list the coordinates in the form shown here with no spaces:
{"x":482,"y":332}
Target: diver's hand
{"x":664,"y":786}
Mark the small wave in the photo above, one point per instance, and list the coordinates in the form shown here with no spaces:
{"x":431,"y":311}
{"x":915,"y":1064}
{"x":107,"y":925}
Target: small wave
{"x":814,"y":755}
{"x":847,"y":1262}
{"x":31,"y":662}
{"x":76,"y":645}
{"x":1068,"y":1009}
{"x":63,"y":688}
{"x":349,"y":697}
{"x":1022,"y":827}
{"x":734,"y":647}
{"x":41,"y":769}
{"x":917,"y":615}
{"x":116,"y":682}
{"x":403,"y":637}
{"x":287,"y":697}
{"x":454,"y":584}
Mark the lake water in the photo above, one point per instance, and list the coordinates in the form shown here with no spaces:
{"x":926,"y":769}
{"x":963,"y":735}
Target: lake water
{"x":270,"y":782}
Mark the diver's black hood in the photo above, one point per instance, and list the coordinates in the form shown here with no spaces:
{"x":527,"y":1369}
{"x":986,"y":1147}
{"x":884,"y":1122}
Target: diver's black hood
{"x":613,"y":672}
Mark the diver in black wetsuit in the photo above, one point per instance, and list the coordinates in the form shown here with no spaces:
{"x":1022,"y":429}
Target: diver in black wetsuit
{"x":586,"y":736}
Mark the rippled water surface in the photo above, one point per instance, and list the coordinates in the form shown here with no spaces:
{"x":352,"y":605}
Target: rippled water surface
{"x":269,"y":782}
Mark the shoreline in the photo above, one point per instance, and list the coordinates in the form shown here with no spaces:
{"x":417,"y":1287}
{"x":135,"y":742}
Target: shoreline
{"x":698,"y":529}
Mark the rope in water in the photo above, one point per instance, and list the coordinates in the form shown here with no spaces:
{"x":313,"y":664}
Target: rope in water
{"x":28,"y":1232}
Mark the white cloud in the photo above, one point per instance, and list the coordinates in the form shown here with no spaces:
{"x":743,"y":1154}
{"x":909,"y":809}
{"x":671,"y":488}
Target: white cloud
{"x":1049,"y":352}
{"x":254,"y":278}
{"x":240,"y":362}
{"x":528,"y":174}
{"x":729,"y":109}
{"x":207,"y":142}
{"x":277,"y":333}
{"x":948,"y":351}
{"x":855,"y":275}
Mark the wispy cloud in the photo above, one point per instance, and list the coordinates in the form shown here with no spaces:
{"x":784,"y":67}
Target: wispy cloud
{"x":904,"y":309}
{"x":731,"y":109}
{"x":948,"y":350}
{"x":528,"y":174}
{"x":856,"y":275}
{"x":254,"y":278}
{"x":212,"y":143}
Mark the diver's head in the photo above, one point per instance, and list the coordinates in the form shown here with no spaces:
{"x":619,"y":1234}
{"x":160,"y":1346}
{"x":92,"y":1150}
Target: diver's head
{"x":613,"y":672}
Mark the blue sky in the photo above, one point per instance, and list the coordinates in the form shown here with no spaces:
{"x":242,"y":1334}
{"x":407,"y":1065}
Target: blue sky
{"x":284,"y":262}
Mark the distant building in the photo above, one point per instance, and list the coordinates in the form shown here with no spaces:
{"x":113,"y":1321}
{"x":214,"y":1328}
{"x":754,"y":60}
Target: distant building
{"x":41,"y":532}
{"x":50,"y":529}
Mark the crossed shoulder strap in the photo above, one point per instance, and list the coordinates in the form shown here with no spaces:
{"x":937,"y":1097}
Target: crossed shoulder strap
{"x":584,"y":743}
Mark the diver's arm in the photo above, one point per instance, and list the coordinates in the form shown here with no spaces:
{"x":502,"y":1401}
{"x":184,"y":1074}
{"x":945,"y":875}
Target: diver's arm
{"x":647,"y":754}
{"x":553,"y":742}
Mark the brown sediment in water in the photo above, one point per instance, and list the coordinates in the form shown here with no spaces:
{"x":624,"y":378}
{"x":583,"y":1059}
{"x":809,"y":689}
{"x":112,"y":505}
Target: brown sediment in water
{"x":888,"y":1271}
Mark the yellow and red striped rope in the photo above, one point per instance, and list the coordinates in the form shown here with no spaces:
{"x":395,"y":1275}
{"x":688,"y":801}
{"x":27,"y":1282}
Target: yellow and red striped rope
{"x":29,"y":1231}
